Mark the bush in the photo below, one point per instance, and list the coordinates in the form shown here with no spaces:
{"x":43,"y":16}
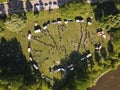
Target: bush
{"x":15,"y":23}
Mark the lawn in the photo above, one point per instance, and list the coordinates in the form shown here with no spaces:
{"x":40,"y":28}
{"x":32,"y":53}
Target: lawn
{"x":3,"y":0}
{"x":48,"y":48}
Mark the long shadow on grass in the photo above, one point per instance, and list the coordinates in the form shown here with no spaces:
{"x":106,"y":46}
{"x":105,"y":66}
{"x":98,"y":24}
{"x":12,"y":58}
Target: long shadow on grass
{"x":36,"y":11}
{"x":29,"y":6}
{"x":104,"y":9}
{"x":110,"y":47}
{"x":16,"y":7}
{"x":86,"y":36}
{"x":113,"y":61}
{"x":97,"y":57}
{"x":41,"y":77}
{"x":3,"y":12}
{"x":81,"y":34}
{"x":112,"y":34}
{"x":103,"y":52}
{"x":13,"y":63}
{"x":59,"y":35}
{"x":64,"y":50}
{"x":41,"y":3}
{"x":41,"y":42}
{"x":69,"y":76}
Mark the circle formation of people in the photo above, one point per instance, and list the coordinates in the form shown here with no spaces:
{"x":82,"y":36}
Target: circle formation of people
{"x":70,"y":67}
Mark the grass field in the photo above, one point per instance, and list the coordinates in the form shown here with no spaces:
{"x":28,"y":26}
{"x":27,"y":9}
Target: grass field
{"x":59,"y":41}
{"x":3,"y":0}
{"x":72,"y":35}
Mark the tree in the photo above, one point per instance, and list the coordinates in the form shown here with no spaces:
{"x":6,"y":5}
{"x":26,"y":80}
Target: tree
{"x":15,"y":71}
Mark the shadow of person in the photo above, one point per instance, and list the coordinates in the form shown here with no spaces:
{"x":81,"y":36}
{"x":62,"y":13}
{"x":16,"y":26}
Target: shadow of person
{"x":97,"y":57}
{"x":103,"y":52}
{"x":13,"y":62}
{"x":90,"y":62}
{"x":36,"y":8}
{"x":29,"y":6}
{"x":16,"y":7}
{"x":2,"y":11}
{"x":50,"y":9}
{"x":110,"y":47}
{"x":59,"y":3}
{"x":41,"y":4}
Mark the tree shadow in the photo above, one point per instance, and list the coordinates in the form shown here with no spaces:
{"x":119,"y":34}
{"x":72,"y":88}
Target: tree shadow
{"x":50,"y":9}
{"x":16,"y":7}
{"x":59,"y":2}
{"x":60,"y":85}
{"x":35,"y":67}
{"x":110,"y":47}
{"x":75,"y":57}
{"x":103,"y":52}
{"x":29,"y":6}
{"x":2,"y":11}
{"x":74,"y":69}
{"x":46,"y":80}
{"x":119,"y":55}
{"x":36,"y":9}
{"x":104,"y":9}
{"x":90,"y":62}
{"x":41,"y":5}
{"x":13,"y":63}
{"x":97,"y":57}
{"x":43,"y":43}
{"x":81,"y":34}
{"x":40,"y":76}
{"x":112,"y":32}
{"x":113,"y":61}
{"x":51,"y":38}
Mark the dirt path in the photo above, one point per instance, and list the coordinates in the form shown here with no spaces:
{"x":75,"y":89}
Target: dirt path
{"x":81,"y":34}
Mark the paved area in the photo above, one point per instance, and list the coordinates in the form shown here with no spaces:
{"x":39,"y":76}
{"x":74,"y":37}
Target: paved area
{"x":13,"y":6}
{"x":20,"y":6}
{"x":95,"y":1}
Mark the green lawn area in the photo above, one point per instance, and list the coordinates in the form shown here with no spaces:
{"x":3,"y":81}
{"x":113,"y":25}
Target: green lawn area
{"x":2,"y":0}
{"x":75,"y":38}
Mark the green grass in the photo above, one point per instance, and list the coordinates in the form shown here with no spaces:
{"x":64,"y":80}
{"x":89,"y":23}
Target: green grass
{"x":72,"y":32}
{"x":3,"y":1}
